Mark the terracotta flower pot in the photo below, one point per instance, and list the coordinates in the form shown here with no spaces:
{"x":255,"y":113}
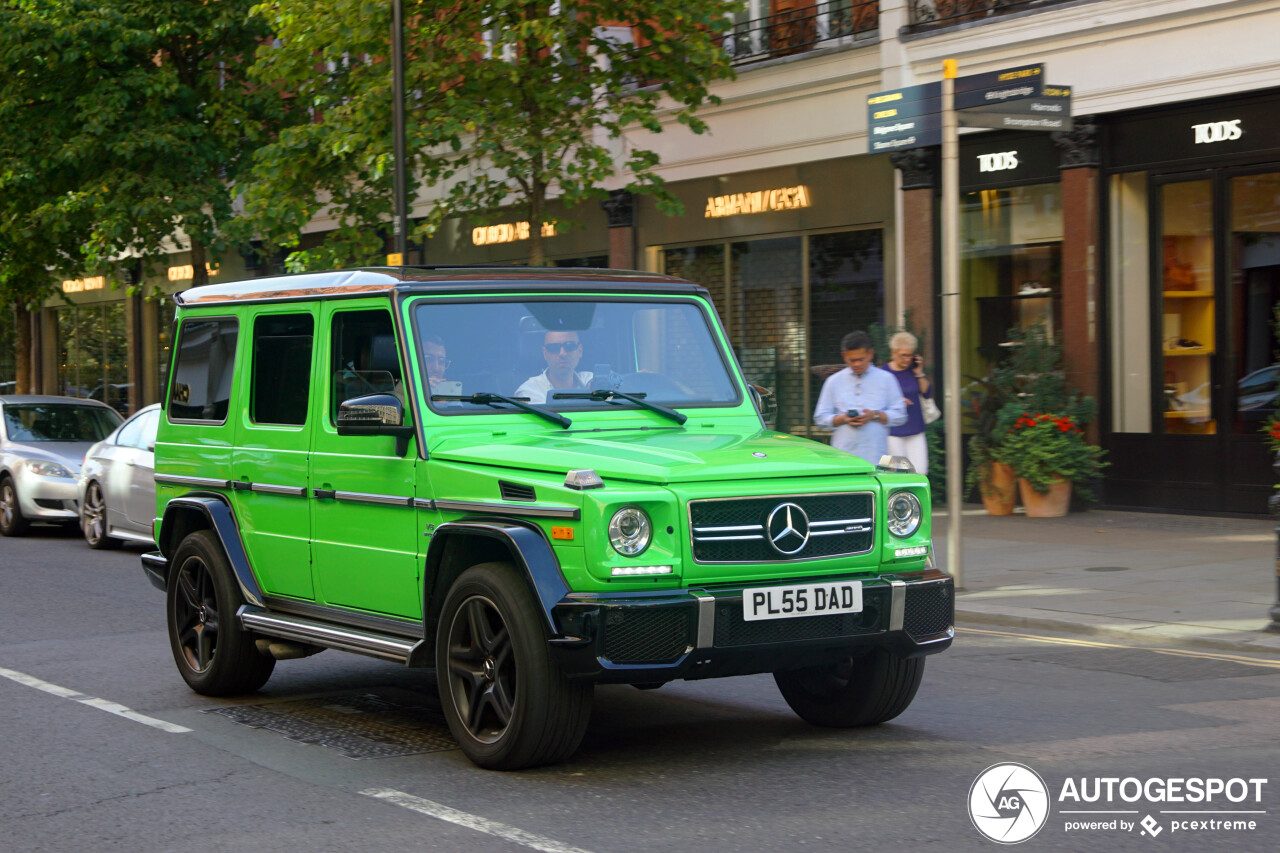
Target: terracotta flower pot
{"x":1053,"y":504}
{"x":996,"y":487}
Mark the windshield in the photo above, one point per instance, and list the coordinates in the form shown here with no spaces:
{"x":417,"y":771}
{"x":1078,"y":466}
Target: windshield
{"x":663,"y":352}
{"x":58,"y":422}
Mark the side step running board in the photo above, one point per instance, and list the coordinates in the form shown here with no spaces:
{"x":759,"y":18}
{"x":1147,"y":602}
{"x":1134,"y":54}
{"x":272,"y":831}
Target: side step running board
{"x":300,"y":629}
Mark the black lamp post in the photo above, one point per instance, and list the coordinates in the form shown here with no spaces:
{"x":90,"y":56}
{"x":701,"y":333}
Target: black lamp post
{"x":401,"y":222}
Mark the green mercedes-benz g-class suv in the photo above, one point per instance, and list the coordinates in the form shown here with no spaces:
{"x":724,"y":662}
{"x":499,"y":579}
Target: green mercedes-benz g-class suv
{"x":532,"y":481}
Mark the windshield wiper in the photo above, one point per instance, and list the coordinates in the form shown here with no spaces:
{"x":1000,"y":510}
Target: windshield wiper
{"x":484,"y":398}
{"x":608,"y":396}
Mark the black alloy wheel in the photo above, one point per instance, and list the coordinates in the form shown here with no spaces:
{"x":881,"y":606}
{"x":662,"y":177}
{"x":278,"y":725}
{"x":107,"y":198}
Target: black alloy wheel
{"x":214,"y":656}
{"x":12,"y":521}
{"x":93,"y":518}
{"x":506,"y":701}
{"x":482,"y":669}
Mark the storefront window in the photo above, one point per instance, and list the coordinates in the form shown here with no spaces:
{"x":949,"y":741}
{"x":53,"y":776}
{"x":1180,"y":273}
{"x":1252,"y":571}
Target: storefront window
{"x":1255,"y":285}
{"x":768,"y":331}
{"x":93,"y":354}
{"x":1130,"y":304}
{"x":703,"y":265}
{"x":1010,"y":269}
{"x":1187,"y":298}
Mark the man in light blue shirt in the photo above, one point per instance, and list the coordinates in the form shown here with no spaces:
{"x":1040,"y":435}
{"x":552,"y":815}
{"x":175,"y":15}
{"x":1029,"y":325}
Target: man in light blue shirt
{"x":861,"y":402}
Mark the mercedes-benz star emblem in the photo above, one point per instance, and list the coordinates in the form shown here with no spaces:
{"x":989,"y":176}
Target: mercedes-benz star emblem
{"x":788,"y":528}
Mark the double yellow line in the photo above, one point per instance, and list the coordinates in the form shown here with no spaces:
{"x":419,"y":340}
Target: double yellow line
{"x":1186,"y":653}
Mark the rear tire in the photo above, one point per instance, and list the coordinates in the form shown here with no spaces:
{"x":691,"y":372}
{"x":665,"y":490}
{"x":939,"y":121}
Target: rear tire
{"x":507,"y":703}
{"x":861,"y":691}
{"x":93,"y":519}
{"x":214,"y":655}
{"x":12,"y":521}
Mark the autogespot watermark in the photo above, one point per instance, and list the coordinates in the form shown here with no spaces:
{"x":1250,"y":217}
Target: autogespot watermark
{"x":1009,"y":803}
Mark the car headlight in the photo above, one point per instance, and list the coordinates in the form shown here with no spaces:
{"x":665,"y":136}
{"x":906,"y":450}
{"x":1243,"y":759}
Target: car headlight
{"x":904,"y":513}
{"x":630,"y":531}
{"x":50,"y":469}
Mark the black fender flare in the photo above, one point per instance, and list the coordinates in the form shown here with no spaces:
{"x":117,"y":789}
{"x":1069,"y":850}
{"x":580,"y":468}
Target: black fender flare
{"x":221,"y":519}
{"x":530,"y":551}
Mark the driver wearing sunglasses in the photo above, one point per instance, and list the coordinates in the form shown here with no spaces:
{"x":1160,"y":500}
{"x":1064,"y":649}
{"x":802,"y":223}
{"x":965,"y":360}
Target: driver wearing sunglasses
{"x":562,"y":351}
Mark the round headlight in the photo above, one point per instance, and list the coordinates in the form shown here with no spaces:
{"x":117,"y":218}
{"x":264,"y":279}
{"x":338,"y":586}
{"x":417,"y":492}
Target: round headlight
{"x":904,"y":513}
{"x":630,"y":531}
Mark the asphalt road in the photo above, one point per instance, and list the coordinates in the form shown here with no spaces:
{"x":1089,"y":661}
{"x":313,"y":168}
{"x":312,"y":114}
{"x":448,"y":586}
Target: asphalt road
{"x":103,"y":747}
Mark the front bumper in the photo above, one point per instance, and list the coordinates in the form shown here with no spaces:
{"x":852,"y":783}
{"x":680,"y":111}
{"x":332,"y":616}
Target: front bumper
{"x":645,"y":638}
{"x":47,"y":498}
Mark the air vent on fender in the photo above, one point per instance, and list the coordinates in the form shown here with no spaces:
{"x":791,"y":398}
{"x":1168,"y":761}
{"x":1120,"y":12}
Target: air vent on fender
{"x":516,"y":492}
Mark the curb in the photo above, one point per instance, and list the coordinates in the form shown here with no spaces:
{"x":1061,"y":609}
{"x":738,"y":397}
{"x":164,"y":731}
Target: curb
{"x":1259,"y":642}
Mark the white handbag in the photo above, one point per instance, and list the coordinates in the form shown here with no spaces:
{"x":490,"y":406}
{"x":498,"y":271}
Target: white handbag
{"x":929,"y":409}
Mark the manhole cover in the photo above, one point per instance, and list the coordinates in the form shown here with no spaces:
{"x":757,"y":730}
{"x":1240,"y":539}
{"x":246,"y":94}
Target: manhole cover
{"x":1107,"y":569}
{"x":358,"y":725}
{"x":1148,"y":664}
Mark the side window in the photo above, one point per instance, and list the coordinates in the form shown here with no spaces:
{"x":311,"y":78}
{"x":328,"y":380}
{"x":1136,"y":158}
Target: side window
{"x":364,"y":359}
{"x":281,"y":384}
{"x":201,"y":388}
{"x":130,"y":434}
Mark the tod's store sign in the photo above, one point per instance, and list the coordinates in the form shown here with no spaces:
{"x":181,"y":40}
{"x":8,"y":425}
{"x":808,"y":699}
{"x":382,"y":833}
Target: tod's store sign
{"x":1240,"y":127}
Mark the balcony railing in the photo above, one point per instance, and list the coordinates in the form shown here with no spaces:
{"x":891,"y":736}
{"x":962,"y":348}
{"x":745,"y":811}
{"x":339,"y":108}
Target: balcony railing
{"x":928,"y":14}
{"x":801,"y":29}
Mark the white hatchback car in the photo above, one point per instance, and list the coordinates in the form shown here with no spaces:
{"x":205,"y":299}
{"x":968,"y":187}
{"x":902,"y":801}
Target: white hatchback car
{"x":43,"y":441}
{"x":117,"y":483}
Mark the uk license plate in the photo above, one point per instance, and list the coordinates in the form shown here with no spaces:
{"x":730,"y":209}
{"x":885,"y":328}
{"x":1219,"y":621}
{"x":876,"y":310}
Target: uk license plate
{"x":810,"y":599}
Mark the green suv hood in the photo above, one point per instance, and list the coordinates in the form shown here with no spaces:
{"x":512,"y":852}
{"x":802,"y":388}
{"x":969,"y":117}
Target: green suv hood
{"x":658,"y":456}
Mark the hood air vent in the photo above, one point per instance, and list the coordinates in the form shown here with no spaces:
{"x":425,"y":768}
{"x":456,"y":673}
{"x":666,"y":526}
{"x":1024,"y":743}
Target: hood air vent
{"x":516,"y":492}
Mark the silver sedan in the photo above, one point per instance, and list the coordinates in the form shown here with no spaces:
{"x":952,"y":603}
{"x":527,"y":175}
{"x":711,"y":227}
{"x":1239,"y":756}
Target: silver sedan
{"x":43,"y":441}
{"x":117,"y":483}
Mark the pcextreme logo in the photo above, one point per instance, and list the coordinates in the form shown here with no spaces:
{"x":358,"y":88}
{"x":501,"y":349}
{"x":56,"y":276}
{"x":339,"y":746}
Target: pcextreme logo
{"x":1009,"y":803}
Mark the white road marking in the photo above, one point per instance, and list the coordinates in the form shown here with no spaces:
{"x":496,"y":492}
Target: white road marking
{"x":1186,"y":653}
{"x":92,"y":701}
{"x":470,"y":821}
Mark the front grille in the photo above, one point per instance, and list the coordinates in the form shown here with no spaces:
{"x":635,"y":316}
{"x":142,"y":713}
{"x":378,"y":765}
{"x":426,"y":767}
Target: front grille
{"x":929,"y":610}
{"x":737,"y":530}
{"x":733,"y":630}
{"x":647,"y":634}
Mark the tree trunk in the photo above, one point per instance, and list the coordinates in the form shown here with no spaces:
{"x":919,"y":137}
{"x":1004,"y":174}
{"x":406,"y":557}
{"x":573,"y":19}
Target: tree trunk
{"x":537,"y":251}
{"x":199,"y":272}
{"x":23,"y":351}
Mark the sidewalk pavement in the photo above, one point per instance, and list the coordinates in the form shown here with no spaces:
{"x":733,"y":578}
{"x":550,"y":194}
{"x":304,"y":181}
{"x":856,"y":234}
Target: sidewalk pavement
{"x":1157,"y":578}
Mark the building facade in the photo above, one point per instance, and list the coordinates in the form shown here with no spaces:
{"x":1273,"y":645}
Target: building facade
{"x":1146,"y":239}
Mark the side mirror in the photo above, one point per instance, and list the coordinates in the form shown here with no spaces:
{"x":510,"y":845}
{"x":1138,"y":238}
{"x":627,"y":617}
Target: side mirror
{"x":765,"y":402}
{"x":375,"y":414}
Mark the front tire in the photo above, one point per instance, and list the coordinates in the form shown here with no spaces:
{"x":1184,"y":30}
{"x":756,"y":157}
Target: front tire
{"x":506,"y":701}
{"x":93,"y":519}
{"x":214,"y":655}
{"x":857,"y":691}
{"x":12,"y":521}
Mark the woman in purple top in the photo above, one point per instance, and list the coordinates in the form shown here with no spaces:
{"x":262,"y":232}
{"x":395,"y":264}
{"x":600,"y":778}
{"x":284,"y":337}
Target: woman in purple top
{"x":908,"y":368}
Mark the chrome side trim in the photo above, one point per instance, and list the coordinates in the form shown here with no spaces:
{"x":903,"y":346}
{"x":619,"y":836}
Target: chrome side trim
{"x":367,"y":498}
{"x":330,"y":636}
{"x":198,"y":482}
{"x":706,"y":622}
{"x":424,"y":503}
{"x":531,"y":510}
{"x":897,"y":604}
{"x":268,"y":489}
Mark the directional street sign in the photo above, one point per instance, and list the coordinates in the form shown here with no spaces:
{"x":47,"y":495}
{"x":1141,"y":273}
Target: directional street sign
{"x":909,"y":117}
{"x":914,"y":132}
{"x":1050,"y":111}
{"x":994,"y":87}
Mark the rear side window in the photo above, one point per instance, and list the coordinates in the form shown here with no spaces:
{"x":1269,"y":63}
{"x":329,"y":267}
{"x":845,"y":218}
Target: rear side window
{"x":281,"y":387}
{"x":201,"y":387}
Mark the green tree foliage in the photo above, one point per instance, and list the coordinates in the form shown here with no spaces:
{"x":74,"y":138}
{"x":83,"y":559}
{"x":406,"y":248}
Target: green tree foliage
{"x":126,"y":121}
{"x":511,"y":103}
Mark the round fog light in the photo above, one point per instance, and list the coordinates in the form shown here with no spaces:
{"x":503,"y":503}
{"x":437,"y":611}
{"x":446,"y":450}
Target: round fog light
{"x":904,"y":514}
{"x":630,"y":531}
